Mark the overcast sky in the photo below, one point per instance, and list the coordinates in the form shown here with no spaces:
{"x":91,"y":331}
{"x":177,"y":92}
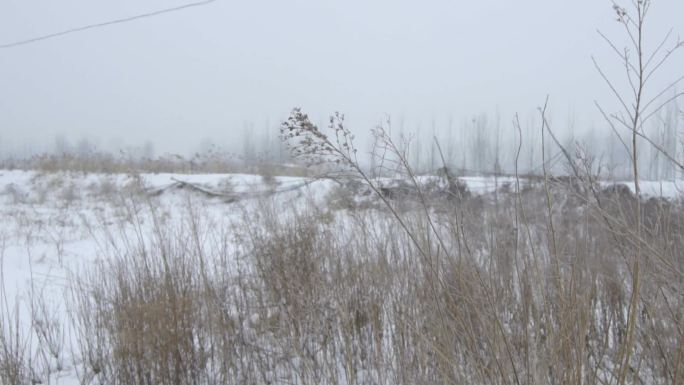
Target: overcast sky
{"x":203,"y":72}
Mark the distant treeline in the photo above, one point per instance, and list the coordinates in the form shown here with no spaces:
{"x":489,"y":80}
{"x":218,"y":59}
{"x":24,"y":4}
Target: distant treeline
{"x":480,"y":145}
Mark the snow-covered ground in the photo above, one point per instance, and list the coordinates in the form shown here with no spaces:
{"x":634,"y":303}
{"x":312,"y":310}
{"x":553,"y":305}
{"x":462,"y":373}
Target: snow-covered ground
{"x":55,"y":225}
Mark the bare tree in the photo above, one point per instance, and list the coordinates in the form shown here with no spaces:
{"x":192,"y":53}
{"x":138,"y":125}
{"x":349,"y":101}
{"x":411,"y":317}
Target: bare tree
{"x":637,"y":108}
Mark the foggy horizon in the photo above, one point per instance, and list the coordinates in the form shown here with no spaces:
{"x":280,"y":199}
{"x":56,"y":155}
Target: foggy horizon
{"x":212,"y":73}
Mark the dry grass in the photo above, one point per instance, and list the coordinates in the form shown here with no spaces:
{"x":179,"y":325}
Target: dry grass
{"x":107,"y":163}
{"x":411,"y":288}
{"x":345,"y":296}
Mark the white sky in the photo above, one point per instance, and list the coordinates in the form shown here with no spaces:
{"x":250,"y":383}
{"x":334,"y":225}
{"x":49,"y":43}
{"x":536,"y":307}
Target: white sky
{"x":202,"y":73}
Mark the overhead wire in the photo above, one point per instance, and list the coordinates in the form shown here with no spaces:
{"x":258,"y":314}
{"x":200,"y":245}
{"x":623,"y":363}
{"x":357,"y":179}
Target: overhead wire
{"x":106,"y":23}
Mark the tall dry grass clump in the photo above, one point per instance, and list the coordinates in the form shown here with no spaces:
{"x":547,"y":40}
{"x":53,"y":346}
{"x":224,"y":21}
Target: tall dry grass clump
{"x":475,"y":294}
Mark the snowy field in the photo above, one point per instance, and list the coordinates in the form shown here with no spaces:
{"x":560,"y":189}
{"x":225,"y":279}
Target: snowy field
{"x":57,"y":226}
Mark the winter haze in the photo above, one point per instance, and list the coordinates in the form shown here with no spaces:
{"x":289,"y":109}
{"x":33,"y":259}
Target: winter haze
{"x":217,"y":192}
{"x":206,"y":73}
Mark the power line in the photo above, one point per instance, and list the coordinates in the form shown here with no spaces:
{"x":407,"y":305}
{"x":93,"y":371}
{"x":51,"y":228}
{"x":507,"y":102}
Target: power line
{"x":107,"y":23}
